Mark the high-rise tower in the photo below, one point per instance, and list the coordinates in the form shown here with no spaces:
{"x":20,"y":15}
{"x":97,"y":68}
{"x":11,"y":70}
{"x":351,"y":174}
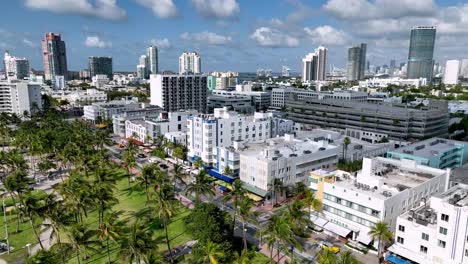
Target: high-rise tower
{"x":54,"y":56}
{"x":421,"y":53}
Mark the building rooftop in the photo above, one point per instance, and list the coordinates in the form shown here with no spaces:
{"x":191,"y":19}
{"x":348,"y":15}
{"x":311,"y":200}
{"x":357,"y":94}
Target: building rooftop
{"x":429,"y":148}
{"x":286,"y":146}
{"x":456,"y":196}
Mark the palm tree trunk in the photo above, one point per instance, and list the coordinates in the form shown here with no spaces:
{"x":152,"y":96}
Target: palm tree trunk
{"x":167,"y":240}
{"x":35,"y":232}
{"x":108,"y":252}
{"x":278,"y":252}
{"x":244,"y":236}
{"x":78,"y":256}
{"x":271,"y":255}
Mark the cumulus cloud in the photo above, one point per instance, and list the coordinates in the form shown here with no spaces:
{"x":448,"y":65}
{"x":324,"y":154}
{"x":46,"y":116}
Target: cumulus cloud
{"x":207,"y":37}
{"x":160,"y":8}
{"x":273,"y":38}
{"x":218,"y":9}
{"x":365,"y":9}
{"x":96,"y":42}
{"x":161,"y":43}
{"x":327,"y":35}
{"x":104,"y":9}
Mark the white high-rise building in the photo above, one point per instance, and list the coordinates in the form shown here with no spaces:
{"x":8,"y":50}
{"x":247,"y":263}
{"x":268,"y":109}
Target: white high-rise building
{"x":152,"y":54}
{"x":20,"y":97}
{"x":452,"y":69}
{"x":314,"y":65}
{"x":16,"y":68}
{"x":189,"y":63}
{"x":464,"y":68}
{"x":143,"y":66}
{"x":436,"y":231}
{"x":175,"y":92}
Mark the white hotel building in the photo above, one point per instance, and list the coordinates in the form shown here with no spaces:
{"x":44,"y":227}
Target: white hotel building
{"x":436,"y":231}
{"x":207,"y":132}
{"x":381,"y":191}
{"x":19,"y":97}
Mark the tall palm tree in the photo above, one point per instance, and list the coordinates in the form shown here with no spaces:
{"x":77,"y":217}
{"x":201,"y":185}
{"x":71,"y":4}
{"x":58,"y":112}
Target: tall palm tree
{"x":32,"y":207}
{"x":201,"y":186}
{"x":44,"y":257}
{"x":278,"y":233}
{"x":178,"y":153}
{"x":243,"y":258}
{"x":235,"y":196}
{"x":129,"y":159}
{"x":147,"y":177}
{"x":17,"y":183}
{"x":346,"y":142}
{"x":297,"y":216}
{"x":110,"y":230}
{"x":277,"y":188}
{"x":137,"y":243}
{"x":212,"y":252}
{"x":347,"y":258}
{"x":165,"y":209}
{"x":311,"y":202}
{"x":198,"y":163}
{"x":178,"y":174}
{"x":82,"y":239}
{"x":327,"y":257}
{"x":103,"y":195}
{"x":382,"y":234}
{"x":246,"y":214}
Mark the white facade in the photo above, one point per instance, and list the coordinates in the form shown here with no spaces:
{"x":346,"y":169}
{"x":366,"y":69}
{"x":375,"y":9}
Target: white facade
{"x":178,"y":92}
{"x":81,"y":97}
{"x":452,"y":70}
{"x":152,"y":53}
{"x":118,"y":120}
{"x":279,"y":95}
{"x":189,"y":63}
{"x":286,"y":158}
{"x":381,"y":191}
{"x":15,"y":68}
{"x":436,"y":231}
{"x":105,"y":110}
{"x":20,"y":97}
{"x":58,"y":82}
{"x":314,"y":65}
{"x":384,"y":82}
{"x":464,"y":69}
{"x":223,"y":128}
{"x":99,"y":80}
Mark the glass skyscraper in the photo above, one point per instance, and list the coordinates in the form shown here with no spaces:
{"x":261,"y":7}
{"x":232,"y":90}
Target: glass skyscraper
{"x":421,"y":53}
{"x":356,"y":65}
{"x":100,"y":65}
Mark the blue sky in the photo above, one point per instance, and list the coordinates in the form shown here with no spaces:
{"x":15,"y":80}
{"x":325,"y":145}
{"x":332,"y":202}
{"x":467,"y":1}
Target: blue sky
{"x":239,"y":35}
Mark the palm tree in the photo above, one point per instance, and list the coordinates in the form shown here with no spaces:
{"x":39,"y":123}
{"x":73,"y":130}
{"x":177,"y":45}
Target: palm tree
{"x":211,"y":252}
{"x":246,"y":214}
{"x":129,"y":159}
{"x":278,"y":233}
{"x":44,"y":257}
{"x":178,"y":174}
{"x":227,"y":171}
{"x":137,"y":244}
{"x":17,"y":183}
{"x":235,"y":196}
{"x":201,"y":186}
{"x":110,"y":230}
{"x":32,"y":207}
{"x":327,"y":257}
{"x":277,"y":188}
{"x":243,"y":258}
{"x":346,"y":142}
{"x":82,"y":239}
{"x":103,"y":195}
{"x":147,"y":177}
{"x":311,"y":202}
{"x":381,"y":233}
{"x":347,"y":258}
{"x":178,"y":153}
{"x":198,"y":163}
{"x":165,"y":208}
{"x":297,"y":216}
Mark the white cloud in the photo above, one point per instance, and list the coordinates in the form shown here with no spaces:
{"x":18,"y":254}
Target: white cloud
{"x":96,"y":42}
{"x":161,"y":43}
{"x":270,"y":37}
{"x":217,"y":8}
{"x":29,"y":43}
{"x":327,"y":35}
{"x":206,"y":37}
{"x":104,"y":9}
{"x":365,"y":9}
{"x":160,"y":8}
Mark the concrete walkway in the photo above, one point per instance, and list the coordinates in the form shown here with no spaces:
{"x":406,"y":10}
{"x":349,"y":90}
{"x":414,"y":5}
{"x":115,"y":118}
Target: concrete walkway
{"x":45,"y":239}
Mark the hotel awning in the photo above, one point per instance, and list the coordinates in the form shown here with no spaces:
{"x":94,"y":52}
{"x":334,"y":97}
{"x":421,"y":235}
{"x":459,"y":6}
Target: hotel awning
{"x":318,"y":221}
{"x":220,"y":176}
{"x":396,"y":260}
{"x":364,"y":239}
{"x":339,"y":230}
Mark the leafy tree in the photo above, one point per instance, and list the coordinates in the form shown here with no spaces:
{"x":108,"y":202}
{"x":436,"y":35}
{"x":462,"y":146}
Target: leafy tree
{"x":32,"y":206}
{"x":178,"y":153}
{"x":110,"y":229}
{"x":212,"y":251}
{"x":227,"y":171}
{"x":207,"y":222}
{"x":246,"y":214}
{"x":382,"y":234}
{"x":165,"y":208}
{"x":298,"y":217}
{"x":137,"y":245}
{"x":311,"y":202}
{"x":278,"y":233}
{"x":44,"y":257}
{"x":327,"y":257}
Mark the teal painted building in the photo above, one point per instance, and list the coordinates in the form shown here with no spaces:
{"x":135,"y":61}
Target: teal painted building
{"x":211,"y":80}
{"x":434,"y":152}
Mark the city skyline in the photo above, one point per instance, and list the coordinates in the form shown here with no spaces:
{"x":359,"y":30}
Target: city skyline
{"x":234,"y":37}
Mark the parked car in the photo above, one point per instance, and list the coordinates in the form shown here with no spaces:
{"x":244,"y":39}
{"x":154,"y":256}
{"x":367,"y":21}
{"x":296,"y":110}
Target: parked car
{"x":329,"y":246}
{"x":141,"y":156}
{"x":163,"y":166}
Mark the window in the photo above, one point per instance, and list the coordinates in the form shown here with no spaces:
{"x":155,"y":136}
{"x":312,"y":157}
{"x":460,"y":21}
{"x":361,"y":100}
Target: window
{"x":423,"y":249}
{"x":400,"y":240}
{"x":401,"y":228}
{"x":444,"y":217}
{"x":443,"y":230}
{"x":441,"y":243}
{"x":179,"y":118}
{"x":425,"y":236}
{"x":466,"y":252}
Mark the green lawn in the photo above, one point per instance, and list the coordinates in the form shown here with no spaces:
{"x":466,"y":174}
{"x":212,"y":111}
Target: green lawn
{"x":259,"y":258}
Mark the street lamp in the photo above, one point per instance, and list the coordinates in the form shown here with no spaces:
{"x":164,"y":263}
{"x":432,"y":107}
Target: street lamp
{"x":29,"y":248}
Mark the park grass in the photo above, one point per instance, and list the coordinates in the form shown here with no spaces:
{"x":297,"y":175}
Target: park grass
{"x":259,"y":258}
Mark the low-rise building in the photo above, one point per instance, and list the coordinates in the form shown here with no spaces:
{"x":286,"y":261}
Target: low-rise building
{"x":98,"y":112}
{"x":385,"y":82}
{"x":100,"y":80}
{"x":146,"y":112}
{"x":436,"y":231}
{"x":238,"y":103}
{"x":286,"y":158}
{"x":434,"y":152}
{"x":381,"y":191}
{"x":260,"y":100}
